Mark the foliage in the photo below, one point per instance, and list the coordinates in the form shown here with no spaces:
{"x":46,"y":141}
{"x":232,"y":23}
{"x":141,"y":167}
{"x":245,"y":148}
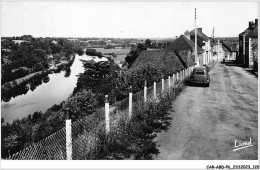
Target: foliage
{"x":134,"y":139}
{"x":147,"y":43}
{"x":34,"y":55}
{"x":93,"y":52}
{"x":100,"y":78}
{"x":134,"y":53}
{"x":81,"y":104}
{"x":136,"y":78}
{"x":109,"y":47}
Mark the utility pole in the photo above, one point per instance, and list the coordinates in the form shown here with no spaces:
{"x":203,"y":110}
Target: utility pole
{"x":196,"y":53}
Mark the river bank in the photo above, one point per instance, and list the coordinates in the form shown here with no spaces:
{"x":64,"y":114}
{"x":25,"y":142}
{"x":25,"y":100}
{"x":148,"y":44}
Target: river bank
{"x":19,"y":81}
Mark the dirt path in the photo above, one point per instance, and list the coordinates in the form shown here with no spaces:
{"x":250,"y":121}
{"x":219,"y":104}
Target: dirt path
{"x":207,"y":121}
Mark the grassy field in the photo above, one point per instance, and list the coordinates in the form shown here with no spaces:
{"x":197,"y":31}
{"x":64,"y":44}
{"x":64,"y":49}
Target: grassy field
{"x":121,"y":53}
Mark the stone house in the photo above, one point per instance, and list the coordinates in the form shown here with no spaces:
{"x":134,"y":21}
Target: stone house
{"x":230,"y":49}
{"x":248,"y":56}
{"x":203,"y":42}
{"x":218,"y":51}
{"x":177,"y":56}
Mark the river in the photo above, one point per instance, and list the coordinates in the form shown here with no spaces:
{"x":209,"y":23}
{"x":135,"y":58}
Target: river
{"x":45,"y":94}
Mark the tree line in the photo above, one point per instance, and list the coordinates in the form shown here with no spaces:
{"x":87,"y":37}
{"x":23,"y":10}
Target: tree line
{"x":33,"y":55}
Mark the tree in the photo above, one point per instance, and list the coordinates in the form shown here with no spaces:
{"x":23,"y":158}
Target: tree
{"x":9,"y":143}
{"x":134,"y":53}
{"x":147,"y":43}
{"x":81,"y":104}
{"x":100,"y":78}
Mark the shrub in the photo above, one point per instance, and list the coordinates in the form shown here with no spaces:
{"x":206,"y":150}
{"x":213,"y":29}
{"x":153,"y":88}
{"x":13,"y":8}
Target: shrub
{"x":15,"y":83}
{"x":81,"y":104}
{"x":134,"y":139}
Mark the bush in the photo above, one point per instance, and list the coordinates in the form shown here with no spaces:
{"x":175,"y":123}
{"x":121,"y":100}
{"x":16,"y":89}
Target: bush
{"x":81,"y":104}
{"x":134,"y":139}
{"x":15,"y":83}
{"x":136,"y":78}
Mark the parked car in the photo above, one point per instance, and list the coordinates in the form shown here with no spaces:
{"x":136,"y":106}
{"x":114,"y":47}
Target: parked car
{"x":200,"y":75}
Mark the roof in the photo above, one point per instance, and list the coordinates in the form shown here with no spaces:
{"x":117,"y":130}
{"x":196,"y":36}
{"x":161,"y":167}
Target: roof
{"x":253,"y":33}
{"x":254,"y":30}
{"x":200,"y":37}
{"x":164,"y":59}
{"x":229,"y":46}
{"x":183,"y":43}
{"x":199,"y":34}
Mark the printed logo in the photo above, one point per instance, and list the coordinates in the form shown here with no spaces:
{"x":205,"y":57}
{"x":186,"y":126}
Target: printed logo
{"x":242,"y":144}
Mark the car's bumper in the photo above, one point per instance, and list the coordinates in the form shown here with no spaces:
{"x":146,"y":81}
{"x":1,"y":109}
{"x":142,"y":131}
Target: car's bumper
{"x":199,"y":82}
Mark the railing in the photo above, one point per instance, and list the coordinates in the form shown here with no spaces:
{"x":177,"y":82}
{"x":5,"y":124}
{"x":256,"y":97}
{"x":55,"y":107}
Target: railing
{"x":84,"y":131}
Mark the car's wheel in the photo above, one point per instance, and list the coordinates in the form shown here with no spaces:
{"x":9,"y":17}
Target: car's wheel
{"x":207,"y":84}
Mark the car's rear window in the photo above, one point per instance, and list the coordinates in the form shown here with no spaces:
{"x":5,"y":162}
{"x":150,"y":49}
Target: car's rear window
{"x":199,"y":72}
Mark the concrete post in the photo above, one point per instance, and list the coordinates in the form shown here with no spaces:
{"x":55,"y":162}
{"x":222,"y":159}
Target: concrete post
{"x":145,"y":91}
{"x":169,"y":82}
{"x":107,"y":114}
{"x":173,"y":80}
{"x":154,"y":89}
{"x":68,"y":140}
{"x":162,"y":84}
{"x":130,"y":102}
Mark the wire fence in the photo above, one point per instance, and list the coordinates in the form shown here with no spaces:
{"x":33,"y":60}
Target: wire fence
{"x":85,"y":131}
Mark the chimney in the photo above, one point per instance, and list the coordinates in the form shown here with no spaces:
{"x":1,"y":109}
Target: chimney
{"x":187,"y":34}
{"x":199,"y":29}
{"x":256,"y":22}
{"x":251,"y":23}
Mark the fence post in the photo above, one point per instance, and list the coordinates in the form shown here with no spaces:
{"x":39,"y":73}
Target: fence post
{"x":107,"y":114}
{"x":177,"y":74}
{"x":162,"y":84}
{"x":173,"y":80}
{"x":68,"y":137}
{"x":154,"y":89}
{"x":130,"y":102}
{"x":169,"y":81}
{"x":145,"y":91}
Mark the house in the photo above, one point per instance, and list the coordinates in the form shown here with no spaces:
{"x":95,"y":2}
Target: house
{"x":248,"y":56}
{"x":175,"y":57}
{"x":230,"y":49}
{"x":184,"y":44}
{"x":20,"y":41}
{"x":218,"y":51}
{"x":203,"y":42}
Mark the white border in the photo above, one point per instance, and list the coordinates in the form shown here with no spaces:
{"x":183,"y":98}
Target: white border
{"x":112,"y":164}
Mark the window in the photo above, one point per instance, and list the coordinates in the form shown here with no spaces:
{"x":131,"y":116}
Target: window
{"x":200,"y":72}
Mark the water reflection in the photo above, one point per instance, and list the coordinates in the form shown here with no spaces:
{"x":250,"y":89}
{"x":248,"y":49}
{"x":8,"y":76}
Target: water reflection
{"x":23,"y":88}
{"x":42,"y":92}
{"x":67,"y":72}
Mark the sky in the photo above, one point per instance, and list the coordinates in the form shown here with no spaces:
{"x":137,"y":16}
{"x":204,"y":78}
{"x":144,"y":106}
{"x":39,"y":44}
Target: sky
{"x":124,"y":19}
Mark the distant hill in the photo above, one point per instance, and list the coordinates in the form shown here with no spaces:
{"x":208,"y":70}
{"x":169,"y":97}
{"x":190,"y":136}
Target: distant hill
{"x":230,"y":39}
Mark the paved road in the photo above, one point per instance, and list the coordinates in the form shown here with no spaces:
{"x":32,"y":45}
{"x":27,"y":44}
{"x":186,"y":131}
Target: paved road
{"x":206,"y":121}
